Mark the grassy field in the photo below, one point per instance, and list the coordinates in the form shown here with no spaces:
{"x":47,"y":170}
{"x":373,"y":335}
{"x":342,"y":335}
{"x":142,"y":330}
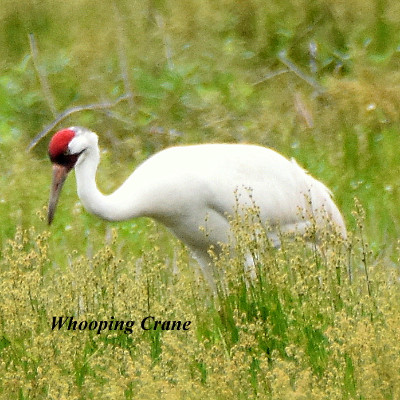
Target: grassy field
{"x":316,"y":80}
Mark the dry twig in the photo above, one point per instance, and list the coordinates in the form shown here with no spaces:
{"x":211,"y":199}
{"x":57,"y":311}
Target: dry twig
{"x":123,"y":61}
{"x":72,"y":110}
{"x":44,"y":83}
{"x":295,"y":69}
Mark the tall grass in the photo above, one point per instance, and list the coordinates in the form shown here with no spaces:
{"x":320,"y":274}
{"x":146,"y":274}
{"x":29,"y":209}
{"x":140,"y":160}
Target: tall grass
{"x":315,"y":323}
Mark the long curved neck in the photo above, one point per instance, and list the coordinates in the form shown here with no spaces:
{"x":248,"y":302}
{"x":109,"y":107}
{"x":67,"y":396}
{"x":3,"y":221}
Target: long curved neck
{"x":85,"y":172}
{"x":109,"y":207}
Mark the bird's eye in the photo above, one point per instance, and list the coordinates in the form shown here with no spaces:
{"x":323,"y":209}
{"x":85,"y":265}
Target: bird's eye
{"x":67,"y":152}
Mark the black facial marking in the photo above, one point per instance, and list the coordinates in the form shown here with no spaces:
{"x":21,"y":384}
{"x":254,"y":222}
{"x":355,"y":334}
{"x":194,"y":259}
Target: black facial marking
{"x":65,"y":159}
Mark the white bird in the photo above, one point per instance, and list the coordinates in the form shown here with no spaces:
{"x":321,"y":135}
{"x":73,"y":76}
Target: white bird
{"x":189,"y":187}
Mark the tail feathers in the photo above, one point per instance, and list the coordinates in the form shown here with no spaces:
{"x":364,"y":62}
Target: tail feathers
{"x":321,"y":200}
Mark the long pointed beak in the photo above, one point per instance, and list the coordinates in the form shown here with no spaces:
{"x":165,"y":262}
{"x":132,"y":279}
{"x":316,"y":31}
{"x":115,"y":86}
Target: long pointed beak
{"x":60,"y":172}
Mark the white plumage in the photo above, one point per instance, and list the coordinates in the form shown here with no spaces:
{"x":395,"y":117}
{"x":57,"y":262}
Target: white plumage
{"x":183,"y":187}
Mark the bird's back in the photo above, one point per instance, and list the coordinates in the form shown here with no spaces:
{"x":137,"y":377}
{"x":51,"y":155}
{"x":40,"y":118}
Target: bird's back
{"x":186,"y":187}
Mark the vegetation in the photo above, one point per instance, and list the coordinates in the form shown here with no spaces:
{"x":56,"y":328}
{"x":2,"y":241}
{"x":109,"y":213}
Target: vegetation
{"x":315,"y":80}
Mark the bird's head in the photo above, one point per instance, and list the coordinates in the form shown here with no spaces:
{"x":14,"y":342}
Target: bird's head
{"x":66,"y":149}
